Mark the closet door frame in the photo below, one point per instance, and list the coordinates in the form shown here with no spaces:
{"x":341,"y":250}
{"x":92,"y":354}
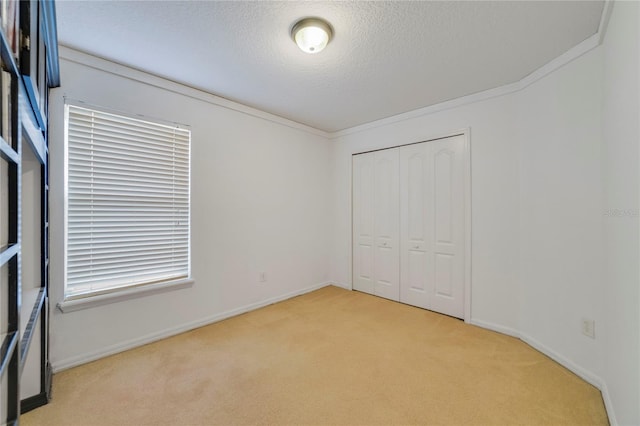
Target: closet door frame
{"x":465,"y":133}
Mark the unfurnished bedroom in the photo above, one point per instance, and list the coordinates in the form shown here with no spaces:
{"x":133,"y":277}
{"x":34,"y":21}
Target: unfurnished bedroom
{"x":318,"y":212}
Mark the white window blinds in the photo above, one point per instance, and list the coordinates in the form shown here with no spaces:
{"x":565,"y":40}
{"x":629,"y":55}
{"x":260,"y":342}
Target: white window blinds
{"x":127,"y":202}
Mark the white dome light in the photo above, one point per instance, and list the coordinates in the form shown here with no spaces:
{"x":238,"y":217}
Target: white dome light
{"x":311,"y":34}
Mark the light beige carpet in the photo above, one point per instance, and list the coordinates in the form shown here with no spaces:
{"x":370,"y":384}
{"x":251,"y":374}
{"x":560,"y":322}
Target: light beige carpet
{"x":328,"y":357}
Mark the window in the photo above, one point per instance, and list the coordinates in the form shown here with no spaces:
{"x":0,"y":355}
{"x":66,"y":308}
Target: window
{"x":127,"y":202}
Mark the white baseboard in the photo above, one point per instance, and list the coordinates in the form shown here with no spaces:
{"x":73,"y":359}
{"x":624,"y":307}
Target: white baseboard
{"x":586,"y":375}
{"x":565,"y":362}
{"x":608,"y":404}
{"x":163,"y":334}
{"x":341,"y":285}
{"x":495,"y":327}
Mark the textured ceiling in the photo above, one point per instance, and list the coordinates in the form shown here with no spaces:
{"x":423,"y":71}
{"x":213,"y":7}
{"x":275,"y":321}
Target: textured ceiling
{"x":386,"y":58}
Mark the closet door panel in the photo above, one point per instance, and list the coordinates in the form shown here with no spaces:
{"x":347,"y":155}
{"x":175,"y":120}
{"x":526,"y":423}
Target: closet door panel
{"x":415,"y":211}
{"x":386,"y":224}
{"x":448,"y":160}
{"x":363,"y":223}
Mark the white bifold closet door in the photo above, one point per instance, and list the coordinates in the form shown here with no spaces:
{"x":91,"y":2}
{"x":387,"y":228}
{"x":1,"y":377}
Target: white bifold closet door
{"x":432,"y":241}
{"x":376,"y":225}
{"x":409,"y":224}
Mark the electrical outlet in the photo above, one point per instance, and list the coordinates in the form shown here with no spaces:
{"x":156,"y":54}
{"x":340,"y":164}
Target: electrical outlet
{"x":589,"y":327}
{"x":262,"y":277}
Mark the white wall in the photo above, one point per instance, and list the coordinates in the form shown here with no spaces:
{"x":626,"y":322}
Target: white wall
{"x":494,"y":197}
{"x":561,"y":236}
{"x":259,"y":197}
{"x":620,"y":292}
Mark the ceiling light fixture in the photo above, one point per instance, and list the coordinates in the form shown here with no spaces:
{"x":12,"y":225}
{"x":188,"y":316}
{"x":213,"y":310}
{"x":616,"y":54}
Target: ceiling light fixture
{"x":312,"y":34}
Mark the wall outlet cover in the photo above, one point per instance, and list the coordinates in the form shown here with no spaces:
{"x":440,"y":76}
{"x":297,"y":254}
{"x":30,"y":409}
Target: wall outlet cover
{"x":589,"y":327}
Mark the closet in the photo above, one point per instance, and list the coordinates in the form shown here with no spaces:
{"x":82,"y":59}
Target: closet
{"x":409,"y":224}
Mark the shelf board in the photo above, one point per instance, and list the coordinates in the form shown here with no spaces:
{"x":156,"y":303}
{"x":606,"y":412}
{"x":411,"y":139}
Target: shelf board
{"x":32,"y":97}
{"x":29,"y":298}
{"x":32,"y":300}
{"x":32,"y":128}
{"x":9,"y":342}
{"x":8,"y":253}
{"x":7,"y":152}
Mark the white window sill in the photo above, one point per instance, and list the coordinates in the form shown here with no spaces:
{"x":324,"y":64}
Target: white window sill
{"x":73,"y":305}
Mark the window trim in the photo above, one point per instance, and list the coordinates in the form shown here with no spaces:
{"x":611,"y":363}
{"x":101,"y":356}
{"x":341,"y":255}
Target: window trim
{"x":72,"y":303}
{"x":121,"y":294}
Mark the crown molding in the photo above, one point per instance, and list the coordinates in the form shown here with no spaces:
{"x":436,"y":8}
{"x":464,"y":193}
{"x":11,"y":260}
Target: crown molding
{"x":604,"y":19}
{"x":562,"y":60}
{"x":572,"y":54}
{"x":72,"y":55}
